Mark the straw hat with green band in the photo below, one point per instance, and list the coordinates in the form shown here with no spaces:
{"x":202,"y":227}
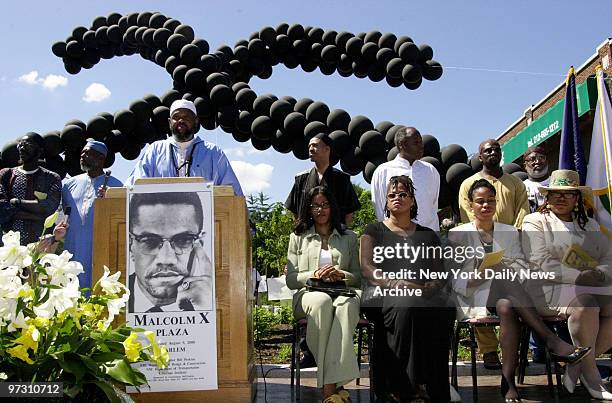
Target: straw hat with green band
{"x":566,"y":179}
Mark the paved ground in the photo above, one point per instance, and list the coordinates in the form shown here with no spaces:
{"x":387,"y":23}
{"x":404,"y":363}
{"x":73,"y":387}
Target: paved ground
{"x":534,"y":390}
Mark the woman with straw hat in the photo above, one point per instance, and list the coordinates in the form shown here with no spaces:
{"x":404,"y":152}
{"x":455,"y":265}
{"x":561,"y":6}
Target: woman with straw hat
{"x":561,"y":240}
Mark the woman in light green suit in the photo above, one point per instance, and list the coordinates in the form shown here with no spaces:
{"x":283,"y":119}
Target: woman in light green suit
{"x":320,"y":248}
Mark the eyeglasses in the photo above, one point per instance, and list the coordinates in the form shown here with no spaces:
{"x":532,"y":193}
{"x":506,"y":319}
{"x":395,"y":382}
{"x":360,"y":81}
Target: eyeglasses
{"x":558,"y":195}
{"x":536,"y":158}
{"x":316,"y":207}
{"x":401,"y":195}
{"x":151,"y":244}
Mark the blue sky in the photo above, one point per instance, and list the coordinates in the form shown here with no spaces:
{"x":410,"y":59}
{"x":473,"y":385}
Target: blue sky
{"x":464,"y":106}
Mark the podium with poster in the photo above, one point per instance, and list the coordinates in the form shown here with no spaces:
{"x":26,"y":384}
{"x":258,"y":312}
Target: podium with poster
{"x":235,"y":370}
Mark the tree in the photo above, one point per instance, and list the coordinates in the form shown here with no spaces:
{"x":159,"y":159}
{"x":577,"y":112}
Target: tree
{"x":365,"y":215}
{"x":272,"y":224}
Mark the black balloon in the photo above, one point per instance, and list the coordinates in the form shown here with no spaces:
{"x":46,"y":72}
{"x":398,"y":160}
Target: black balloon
{"x":436,"y":163}
{"x":457,"y":173}
{"x":511,"y":167}
{"x":359,"y":125}
{"x":10,"y":155}
{"x":452,"y":154}
{"x":53,"y":144}
{"x":431,"y":146}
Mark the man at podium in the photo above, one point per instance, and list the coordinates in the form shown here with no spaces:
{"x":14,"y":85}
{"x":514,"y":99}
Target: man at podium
{"x":170,"y":270}
{"x":185,"y":155}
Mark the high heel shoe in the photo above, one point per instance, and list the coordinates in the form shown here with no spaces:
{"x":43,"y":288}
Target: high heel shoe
{"x":505,"y":387}
{"x":578,"y":354}
{"x":596,"y":393}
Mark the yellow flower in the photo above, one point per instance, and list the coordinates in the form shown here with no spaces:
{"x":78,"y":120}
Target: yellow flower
{"x":160,"y":353}
{"x":29,"y":338}
{"x":101,"y":326}
{"x":20,"y":352}
{"x":27,"y":293}
{"x":49,"y":221}
{"x":161,"y":357}
{"x":132,"y":347}
{"x":41,"y":322}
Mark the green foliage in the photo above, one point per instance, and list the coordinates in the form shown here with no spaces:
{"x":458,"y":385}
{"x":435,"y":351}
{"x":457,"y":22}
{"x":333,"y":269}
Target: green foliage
{"x":273,"y":224}
{"x":284,"y":354}
{"x":285,"y":315}
{"x":263,"y":322}
{"x":365,"y":215}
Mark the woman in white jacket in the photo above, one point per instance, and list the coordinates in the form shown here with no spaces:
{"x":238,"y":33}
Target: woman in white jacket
{"x":562,"y":241}
{"x":501,"y":291}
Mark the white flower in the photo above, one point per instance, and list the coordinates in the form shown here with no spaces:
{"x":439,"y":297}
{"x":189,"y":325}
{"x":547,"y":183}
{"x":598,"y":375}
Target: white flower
{"x":60,"y":268}
{"x":3,"y":376}
{"x":109,"y":284}
{"x":12,"y":253}
{"x":60,"y":299}
{"x":114,"y":307}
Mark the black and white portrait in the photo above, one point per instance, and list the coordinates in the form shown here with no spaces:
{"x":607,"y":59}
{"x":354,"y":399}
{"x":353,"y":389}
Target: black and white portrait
{"x":169,"y":251}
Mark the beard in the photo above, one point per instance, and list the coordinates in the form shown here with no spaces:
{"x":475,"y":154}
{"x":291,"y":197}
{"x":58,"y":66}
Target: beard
{"x":185,"y":136}
{"x":86,"y":167}
{"x":537,"y":173}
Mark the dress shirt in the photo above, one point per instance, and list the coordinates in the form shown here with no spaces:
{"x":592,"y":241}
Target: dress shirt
{"x":426,"y":181}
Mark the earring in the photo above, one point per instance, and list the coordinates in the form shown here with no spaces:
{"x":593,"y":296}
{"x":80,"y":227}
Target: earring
{"x":548,"y":206}
{"x":575,"y":209}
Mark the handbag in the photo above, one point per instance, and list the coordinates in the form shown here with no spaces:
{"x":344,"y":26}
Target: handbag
{"x":333,"y":289}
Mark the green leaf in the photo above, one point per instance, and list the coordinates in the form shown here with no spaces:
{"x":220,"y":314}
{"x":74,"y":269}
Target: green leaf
{"x":108,"y":390}
{"x":122,"y":371}
{"x":49,"y":221}
{"x":107,"y":357}
{"x":73,"y":364}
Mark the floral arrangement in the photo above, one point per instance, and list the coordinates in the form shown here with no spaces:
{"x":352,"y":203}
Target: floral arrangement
{"x":50,"y":330}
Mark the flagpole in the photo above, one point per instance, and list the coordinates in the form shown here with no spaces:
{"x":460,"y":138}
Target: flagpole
{"x":604,"y":134}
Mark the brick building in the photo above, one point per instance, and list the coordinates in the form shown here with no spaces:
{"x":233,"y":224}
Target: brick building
{"x":541,"y":123}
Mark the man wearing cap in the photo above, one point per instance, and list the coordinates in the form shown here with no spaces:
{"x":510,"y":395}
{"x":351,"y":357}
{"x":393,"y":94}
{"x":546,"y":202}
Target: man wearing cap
{"x":78,"y":197}
{"x":29,"y":193}
{"x":184,"y":154}
{"x":536,"y":166}
{"x":323,"y":173}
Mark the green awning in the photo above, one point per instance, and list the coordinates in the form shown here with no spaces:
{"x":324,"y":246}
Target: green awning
{"x":549,"y":123}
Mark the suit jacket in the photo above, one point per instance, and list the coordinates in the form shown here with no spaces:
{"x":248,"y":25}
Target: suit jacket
{"x":472,"y":301}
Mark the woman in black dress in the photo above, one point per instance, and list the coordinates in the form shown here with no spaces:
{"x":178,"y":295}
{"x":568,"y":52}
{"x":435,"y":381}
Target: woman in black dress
{"x":416,"y":313}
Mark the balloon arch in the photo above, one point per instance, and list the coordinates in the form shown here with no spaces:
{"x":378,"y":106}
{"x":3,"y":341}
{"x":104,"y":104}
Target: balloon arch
{"x":217,"y":83}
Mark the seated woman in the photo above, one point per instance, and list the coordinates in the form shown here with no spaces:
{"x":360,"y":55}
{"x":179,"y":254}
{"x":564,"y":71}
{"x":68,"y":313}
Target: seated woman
{"x":320,"y":248}
{"x":417,"y":317}
{"x":580,"y":289}
{"x":506,"y":298}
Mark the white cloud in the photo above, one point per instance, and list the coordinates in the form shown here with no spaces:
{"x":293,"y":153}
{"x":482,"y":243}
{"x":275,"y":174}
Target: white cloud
{"x":239,"y":152}
{"x":53,"y":81}
{"x":30,"y":78}
{"x":96,"y":92}
{"x":253,"y":178}
{"x":243,"y":151}
{"x":50,"y":82}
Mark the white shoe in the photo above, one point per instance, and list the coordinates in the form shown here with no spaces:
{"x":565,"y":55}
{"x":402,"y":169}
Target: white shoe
{"x":599,"y":392}
{"x":454,"y":395}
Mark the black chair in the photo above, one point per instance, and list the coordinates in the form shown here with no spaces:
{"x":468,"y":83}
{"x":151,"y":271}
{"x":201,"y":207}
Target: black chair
{"x":471,"y":325}
{"x":299,"y":330}
{"x":553,"y":322}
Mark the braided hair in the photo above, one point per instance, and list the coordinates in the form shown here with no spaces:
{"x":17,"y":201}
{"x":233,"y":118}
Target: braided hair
{"x":405,"y":180}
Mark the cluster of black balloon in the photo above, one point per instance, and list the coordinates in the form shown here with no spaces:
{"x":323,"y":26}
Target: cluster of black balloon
{"x":217,"y":82}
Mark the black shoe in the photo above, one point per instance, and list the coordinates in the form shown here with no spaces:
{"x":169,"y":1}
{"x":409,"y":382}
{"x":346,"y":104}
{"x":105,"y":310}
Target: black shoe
{"x":491,"y":361}
{"x":504,"y":388}
{"x":578,"y":354}
{"x":307,"y":361}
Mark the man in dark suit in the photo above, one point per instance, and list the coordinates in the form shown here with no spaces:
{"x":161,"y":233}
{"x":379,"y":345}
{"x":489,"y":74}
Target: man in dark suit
{"x":171,"y":270}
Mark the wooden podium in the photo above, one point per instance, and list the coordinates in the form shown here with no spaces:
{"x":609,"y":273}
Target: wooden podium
{"x":235,"y":355}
